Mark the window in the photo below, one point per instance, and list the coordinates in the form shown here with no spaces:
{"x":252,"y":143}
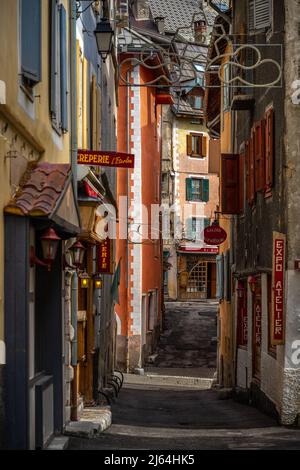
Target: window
{"x":30,"y":42}
{"x":197,"y":145}
{"x":195,"y":227}
{"x":259,"y":15}
{"x":59,"y":77}
{"x":197,"y":189}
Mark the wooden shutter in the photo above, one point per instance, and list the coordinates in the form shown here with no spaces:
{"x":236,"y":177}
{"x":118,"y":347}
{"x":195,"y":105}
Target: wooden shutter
{"x":252,"y":168}
{"x":85,"y":103}
{"x":206,"y":222}
{"x":269,"y":146}
{"x":259,"y":156}
{"x":94,"y":112}
{"x":189,"y":191}
{"x":63,"y":69}
{"x":205,"y":190}
{"x":230,"y":183}
{"x":31,"y":39}
{"x":189,"y":148}
{"x":189,"y":228}
{"x":54,"y":61}
{"x":203,"y":146}
{"x":247,"y":157}
{"x":220,"y":277}
{"x":241,"y":182}
{"x":262,"y":14}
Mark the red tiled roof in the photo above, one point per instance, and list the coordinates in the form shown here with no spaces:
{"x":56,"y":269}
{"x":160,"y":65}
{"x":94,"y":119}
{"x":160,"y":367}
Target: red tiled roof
{"x":42,"y":186}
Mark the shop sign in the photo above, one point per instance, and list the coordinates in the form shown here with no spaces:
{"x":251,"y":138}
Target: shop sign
{"x":277,"y":318}
{"x":214,"y":235}
{"x":257,"y":319}
{"x":101,"y":158}
{"x":105,"y":257}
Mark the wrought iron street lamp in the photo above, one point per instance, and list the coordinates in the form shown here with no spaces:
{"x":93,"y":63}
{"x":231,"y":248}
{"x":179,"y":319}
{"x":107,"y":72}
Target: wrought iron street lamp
{"x":77,"y":252}
{"x":104,"y":37}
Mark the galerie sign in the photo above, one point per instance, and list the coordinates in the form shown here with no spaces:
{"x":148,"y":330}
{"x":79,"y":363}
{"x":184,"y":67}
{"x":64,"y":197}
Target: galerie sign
{"x":99,"y":158}
{"x":105,"y":257}
{"x":277,"y":321}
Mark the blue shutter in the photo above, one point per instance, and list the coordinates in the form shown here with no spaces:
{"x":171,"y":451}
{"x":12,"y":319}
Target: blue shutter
{"x":189,"y":190}
{"x":31,"y":39}
{"x":205,"y":190}
{"x":220,"y":277}
{"x":63,"y":69}
{"x":54,"y":60}
{"x":189,"y":228}
{"x":206,"y":222}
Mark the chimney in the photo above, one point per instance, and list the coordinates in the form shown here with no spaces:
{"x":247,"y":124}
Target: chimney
{"x":200,"y":30}
{"x":141,"y":9}
{"x":160,"y":23}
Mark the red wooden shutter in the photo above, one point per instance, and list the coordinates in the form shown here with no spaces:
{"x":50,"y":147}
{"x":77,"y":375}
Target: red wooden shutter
{"x":230,"y":183}
{"x":269,"y":147}
{"x":252,"y":167}
{"x":248,"y":171}
{"x":241,"y":181}
{"x":259,"y":156}
{"x":189,"y":144}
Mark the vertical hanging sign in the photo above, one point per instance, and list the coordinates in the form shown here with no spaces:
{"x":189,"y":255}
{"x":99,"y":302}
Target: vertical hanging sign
{"x":104,"y":257}
{"x":277,"y":318}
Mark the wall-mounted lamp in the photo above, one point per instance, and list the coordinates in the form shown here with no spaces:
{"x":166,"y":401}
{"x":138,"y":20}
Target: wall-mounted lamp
{"x":84,"y":280}
{"x":77,"y":253}
{"x":49,"y":242}
{"x":104,"y":37}
{"x":98,"y":281}
{"x":252,"y":281}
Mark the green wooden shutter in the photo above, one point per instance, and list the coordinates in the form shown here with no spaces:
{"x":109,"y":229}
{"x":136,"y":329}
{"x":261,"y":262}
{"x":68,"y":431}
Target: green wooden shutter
{"x":189,"y":189}
{"x":205,"y":190}
{"x":189,"y":228}
{"x":206,"y":223}
{"x":31,"y":39}
{"x":63,"y":69}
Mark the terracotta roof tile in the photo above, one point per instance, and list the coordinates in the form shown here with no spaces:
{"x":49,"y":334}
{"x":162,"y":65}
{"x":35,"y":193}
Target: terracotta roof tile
{"x":40,"y":190}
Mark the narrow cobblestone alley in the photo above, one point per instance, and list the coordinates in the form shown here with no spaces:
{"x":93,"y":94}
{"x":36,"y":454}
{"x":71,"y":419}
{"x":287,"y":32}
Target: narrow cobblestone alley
{"x":173,"y":405}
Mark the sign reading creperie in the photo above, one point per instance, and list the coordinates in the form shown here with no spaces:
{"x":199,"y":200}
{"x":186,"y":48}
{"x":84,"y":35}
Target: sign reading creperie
{"x":101,"y":158}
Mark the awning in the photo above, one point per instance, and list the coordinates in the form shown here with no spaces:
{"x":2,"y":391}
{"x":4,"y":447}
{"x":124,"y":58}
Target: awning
{"x":46,"y":191}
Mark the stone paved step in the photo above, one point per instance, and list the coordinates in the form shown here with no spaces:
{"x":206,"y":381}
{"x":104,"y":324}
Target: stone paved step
{"x":199,"y":383}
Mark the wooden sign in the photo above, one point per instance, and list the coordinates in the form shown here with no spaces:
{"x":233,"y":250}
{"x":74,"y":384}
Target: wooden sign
{"x":277,"y":317}
{"x":214,"y":235}
{"x":101,"y":158}
{"x":105,"y":257}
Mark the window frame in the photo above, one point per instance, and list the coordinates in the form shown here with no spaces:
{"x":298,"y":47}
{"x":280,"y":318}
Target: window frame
{"x":201,"y":189}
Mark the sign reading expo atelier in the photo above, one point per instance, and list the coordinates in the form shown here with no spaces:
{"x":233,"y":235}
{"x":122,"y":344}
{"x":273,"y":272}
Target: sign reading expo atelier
{"x":277,"y":322}
{"x":101,"y":158}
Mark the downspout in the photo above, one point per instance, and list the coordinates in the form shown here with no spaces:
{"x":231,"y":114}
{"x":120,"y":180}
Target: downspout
{"x":127,"y":222}
{"x":74,"y":297}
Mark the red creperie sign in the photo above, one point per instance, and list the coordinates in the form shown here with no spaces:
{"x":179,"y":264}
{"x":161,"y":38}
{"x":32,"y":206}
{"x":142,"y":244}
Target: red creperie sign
{"x":277,"y":321}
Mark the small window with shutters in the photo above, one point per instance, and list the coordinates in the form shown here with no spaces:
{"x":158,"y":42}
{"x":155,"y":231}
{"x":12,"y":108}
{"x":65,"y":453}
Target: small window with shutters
{"x":30,"y":37}
{"x":260,"y":14}
{"x":197,"y":145}
{"x":197,"y":189}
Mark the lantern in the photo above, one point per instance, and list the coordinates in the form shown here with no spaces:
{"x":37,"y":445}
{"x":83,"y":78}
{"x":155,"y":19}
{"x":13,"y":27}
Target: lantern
{"x":49,"y":242}
{"x":240,"y":290}
{"x":98,"y":281}
{"x":84,"y":280}
{"x":104,"y":37}
{"x":252,"y":283}
{"x":77,"y":252}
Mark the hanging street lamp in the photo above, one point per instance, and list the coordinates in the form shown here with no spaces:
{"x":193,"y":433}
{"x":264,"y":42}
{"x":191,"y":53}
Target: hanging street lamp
{"x":104,"y":37}
{"x":77,"y":253}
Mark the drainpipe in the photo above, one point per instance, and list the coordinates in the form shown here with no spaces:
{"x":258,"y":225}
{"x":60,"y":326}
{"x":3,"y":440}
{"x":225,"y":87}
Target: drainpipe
{"x":74,"y":297}
{"x":73,"y":107}
{"x":127,"y":222}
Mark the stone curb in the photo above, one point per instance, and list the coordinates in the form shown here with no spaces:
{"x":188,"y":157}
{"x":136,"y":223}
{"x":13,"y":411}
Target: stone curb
{"x":93,"y":421}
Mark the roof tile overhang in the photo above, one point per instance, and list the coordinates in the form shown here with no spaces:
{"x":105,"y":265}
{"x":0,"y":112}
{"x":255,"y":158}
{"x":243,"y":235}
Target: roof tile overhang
{"x":46,"y":191}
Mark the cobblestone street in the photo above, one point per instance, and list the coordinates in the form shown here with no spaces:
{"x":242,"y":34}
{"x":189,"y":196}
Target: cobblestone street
{"x":169,"y":414}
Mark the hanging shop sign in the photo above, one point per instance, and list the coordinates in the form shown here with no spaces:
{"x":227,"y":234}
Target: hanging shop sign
{"x":214,"y":235}
{"x":277,"y":320}
{"x":105,"y":257}
{"x":101,"y":158}
{"x":257,"y":317}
